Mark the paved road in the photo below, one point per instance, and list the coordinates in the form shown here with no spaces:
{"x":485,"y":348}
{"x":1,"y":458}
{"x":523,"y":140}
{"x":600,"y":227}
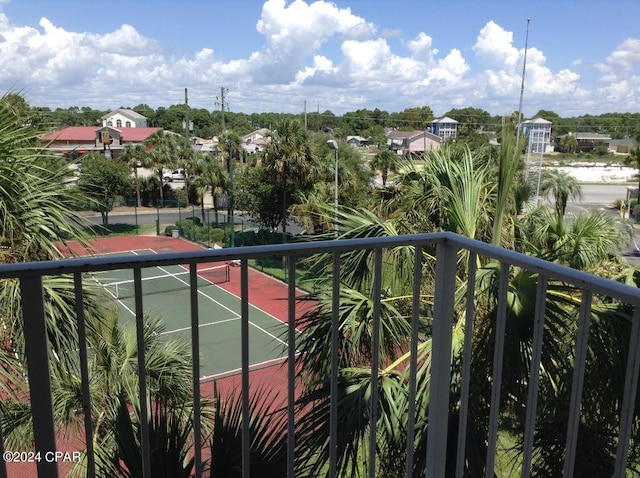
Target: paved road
{"x":603,"y":197}
{"x":598,"y":196}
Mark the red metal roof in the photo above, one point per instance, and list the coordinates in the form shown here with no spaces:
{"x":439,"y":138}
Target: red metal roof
{"x":88,"y":134}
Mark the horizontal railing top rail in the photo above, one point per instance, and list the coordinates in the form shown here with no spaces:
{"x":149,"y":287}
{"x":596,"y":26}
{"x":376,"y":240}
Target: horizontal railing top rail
{"x":445,"y":248}
{"x":574,"y":277}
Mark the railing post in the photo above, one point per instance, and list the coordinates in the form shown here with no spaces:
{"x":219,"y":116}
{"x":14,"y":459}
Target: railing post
{"x":144,"y":417}
{"x":84,"y":373}
{"x":466,"y":364}
{"x":244,"y":338}
{"x":629,"y":398}
{"x":195,"y":370}
{"x":413,"y":361}
{"x":496,"y":374}
{"x":37,"y":351}
{"x":335,"y":365}
{"x":443,"y":309}
{"x":580,"y":364}
{"x":291,"y":367}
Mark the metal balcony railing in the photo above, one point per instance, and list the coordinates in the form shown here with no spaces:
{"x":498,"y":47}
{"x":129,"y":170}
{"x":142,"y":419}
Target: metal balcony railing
{"x":447,"y":256}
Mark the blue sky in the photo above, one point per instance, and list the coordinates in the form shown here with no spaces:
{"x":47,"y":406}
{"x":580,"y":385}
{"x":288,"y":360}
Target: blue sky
{"x":273,"y":55}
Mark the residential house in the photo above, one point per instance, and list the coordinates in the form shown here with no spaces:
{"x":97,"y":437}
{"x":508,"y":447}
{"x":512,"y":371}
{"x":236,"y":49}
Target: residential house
{"x":621,"y":146}
{"x":538,"y":134}
{"x":412,"y":142}
{"x":124,"y":118}
{"x":445,"y":128}
{"x":592,"y":141}
{"x":357,"y":141}
{"x":78,"y":140}
{"x":258,"y":138}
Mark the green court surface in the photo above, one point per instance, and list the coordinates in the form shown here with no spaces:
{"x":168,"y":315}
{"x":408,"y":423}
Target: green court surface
{"x":166,"y":294}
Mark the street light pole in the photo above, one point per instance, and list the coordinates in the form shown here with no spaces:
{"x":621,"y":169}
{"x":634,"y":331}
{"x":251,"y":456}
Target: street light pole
{"x":333,"y":144}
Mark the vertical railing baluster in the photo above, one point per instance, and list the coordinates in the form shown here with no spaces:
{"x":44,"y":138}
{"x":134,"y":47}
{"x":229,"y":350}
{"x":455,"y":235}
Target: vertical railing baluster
{"x":195,"y":371}
{"x":577,"y":385}
{"x":496,"y":379}
{"x":84,"y":373}
{"x":375,"y":360}
{"x":466,"y":365}
{"x":291,"y":367}
{"x":244,"y":339}
{"x":335,"y":363}
{"x":534,"y":376}
{"x":629,"y":397}
{"x":37,"y":352}
{"x":3,"y":463}
{"x":413,"y":359}
{"x":142,"y":374}
{"x":441,"y":336}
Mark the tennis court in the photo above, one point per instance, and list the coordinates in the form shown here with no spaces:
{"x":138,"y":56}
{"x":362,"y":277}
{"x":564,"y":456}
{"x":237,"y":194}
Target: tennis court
{"x":166,"y":294}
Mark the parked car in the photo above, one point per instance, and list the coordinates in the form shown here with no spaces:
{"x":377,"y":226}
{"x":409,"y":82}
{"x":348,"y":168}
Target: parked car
{"x":176,"y":175}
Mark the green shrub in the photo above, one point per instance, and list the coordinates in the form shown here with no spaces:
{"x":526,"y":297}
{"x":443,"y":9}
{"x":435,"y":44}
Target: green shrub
{"x":216,"y":234}
{"x":194,"y":219}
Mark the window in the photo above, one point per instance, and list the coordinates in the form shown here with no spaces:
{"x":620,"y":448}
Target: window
{"x":118,"y":123}
{"x":128,"y":124}
{"x":109,"y":123}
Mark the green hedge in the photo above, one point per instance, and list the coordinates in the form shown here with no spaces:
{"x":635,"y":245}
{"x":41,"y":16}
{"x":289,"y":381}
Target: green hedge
{"x":192,"y":228}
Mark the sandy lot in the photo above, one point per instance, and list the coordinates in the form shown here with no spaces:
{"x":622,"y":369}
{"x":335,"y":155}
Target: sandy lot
{"x":599,"y":173}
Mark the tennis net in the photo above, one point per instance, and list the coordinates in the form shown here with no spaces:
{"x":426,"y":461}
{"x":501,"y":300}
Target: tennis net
{"x":167,"y":282}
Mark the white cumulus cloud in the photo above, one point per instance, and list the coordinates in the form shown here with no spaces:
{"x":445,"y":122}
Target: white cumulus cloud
{"x":312,"y":49}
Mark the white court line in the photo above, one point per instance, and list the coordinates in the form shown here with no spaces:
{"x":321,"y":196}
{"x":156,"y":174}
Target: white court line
{"x":235,"y":318}
{"x":251,"y":305}
{"x":225,"y":307}
{"x":104,"y":286}
{"x":114,"y":296}
{"x":252,"y":368}
{"x":184,"y":329}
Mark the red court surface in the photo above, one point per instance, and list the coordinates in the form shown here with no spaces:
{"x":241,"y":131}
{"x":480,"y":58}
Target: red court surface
{"x":265,"y":292}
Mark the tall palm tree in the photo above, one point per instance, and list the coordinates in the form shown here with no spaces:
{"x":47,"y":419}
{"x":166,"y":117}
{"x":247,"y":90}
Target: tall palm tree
{"x":162,"y":155}
{"x":569,"y":143}
{"x":287,"y":157}
{"x":135,"y":156}
{"x":186,"y":158}
{"x":212,"y":178}
{"x":384,"y":161}
{"x":563,"y":187}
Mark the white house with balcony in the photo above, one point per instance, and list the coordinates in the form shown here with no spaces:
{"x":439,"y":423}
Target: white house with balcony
{"x":445,"y":128}
{"x":124,"y":118}
{"x":538,"y":133}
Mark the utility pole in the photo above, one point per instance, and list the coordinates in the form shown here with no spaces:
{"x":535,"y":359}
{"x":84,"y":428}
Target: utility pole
{"x":524,"y":68}
{"x":186,"y":114}
{"x":222,"y":105}
{"x":305,"y":115}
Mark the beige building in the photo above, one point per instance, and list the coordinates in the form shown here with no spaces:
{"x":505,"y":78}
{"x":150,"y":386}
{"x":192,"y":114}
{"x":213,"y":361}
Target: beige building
{"x":124,"y":118}
{"x":412,"y":142}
